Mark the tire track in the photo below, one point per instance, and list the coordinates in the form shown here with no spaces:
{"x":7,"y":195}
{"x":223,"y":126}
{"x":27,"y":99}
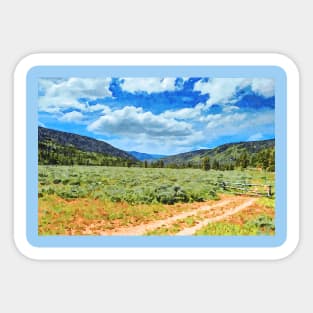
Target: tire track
{"x":142,"y":229}
{"x":191,"y":230}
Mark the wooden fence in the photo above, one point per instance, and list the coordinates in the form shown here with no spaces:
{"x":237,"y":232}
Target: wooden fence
{"x":243,"y":188}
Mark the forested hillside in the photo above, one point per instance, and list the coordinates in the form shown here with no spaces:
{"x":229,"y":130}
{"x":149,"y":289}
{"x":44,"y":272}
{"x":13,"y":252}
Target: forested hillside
{"x":56,"y":147}
{"x":228,"y":156}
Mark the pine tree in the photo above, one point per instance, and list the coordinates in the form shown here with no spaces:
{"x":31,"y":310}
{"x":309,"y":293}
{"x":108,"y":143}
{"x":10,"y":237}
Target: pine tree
{"x":244,"y":161}
{"x":206,"y":164}
{"x":215,"y":165}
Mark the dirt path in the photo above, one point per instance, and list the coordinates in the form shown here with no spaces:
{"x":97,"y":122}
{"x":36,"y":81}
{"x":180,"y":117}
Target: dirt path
{"x":219,"y":210}
{"x":192,"y":230}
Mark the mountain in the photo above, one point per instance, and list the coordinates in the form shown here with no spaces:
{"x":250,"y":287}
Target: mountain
{"x":225,"y":154}
{"x":58,"y":147}
{"x":145,"y":156}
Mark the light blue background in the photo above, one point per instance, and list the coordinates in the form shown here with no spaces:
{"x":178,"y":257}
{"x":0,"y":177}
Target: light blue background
{"x":156,"y":71}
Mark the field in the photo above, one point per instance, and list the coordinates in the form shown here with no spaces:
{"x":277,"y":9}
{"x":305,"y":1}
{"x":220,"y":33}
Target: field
{"x":98,"y":200}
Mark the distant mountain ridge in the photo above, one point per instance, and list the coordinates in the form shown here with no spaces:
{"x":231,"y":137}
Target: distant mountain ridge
{"x":146,"y":156}
{"x":82,"y":143}
{"x":58,"y":147}
{"x":225,"y":153}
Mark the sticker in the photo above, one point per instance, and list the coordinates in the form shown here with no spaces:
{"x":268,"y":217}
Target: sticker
{"x":156,"y":156}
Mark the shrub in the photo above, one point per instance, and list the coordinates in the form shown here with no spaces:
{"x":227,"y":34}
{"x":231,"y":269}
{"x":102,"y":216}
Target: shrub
{"x":71,"y":193}
{"x":138,"y":185}
{"x":264,"y":222}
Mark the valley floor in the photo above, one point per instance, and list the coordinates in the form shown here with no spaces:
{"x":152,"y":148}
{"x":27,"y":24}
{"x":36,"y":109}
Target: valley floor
{"x":231,"y":215}
{"x":81,"y":200}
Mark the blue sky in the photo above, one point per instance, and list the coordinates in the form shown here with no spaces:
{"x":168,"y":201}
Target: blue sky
{"x":158,"y":115}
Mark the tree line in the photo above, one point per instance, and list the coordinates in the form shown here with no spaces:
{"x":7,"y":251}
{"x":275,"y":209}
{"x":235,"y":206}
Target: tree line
{"x":264,"y":159}
{"x":51,"y":153}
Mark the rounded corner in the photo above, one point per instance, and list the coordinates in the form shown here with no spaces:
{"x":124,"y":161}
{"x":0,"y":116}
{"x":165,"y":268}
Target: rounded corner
{"x":286,"y":63}
{"x":26,"y":63}
{"x":287,"y":248}
{"x":24,"y":247}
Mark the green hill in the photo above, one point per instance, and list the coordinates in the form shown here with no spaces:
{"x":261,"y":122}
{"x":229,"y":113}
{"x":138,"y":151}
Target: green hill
{"x":57,"y":147}
{"x":251,"y":153}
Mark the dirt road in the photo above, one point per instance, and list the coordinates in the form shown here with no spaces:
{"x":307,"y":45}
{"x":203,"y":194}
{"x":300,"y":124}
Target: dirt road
{"x":234,"y":210}
{"x":202,"y":216}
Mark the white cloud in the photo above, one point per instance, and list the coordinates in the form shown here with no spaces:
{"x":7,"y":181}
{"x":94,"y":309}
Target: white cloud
{"x":148,"y":84}
{"x":98,"y":107}
{"x":172,"y":131}
{"x":244,"y":123}
{"x":263,"y":86}
{"x":131,"y":121}
{"x":73,"y":116}
{"x":254,"y":137}
{"x":132,"y":128}
{"x":58,"y":94}
{"x":186,"y":113}
{"x":202,"y":133}
{"x":221,"y":90}
{"x":230,"y":108}
{"x":223,"y":120}
{"x":164,"y":145}
{"x":161,"y":145}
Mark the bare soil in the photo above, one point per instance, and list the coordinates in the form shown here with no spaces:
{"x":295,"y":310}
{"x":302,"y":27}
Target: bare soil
{"x":212,"y":212}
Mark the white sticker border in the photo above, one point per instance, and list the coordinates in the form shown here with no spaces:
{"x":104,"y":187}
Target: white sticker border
{"x":167,"y":59}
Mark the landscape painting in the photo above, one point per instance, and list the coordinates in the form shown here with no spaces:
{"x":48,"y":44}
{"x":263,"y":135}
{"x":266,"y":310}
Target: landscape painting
{"x":156,"y":156}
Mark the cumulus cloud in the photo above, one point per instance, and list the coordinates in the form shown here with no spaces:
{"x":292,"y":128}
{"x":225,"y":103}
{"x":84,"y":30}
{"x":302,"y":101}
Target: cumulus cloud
{"x":98,"y":107}
{"x":230,"y":108}
{"x":148,"y":84}
{"x":176,"y":126}
{"x":131,"y":128}
{"x":221,"y":90}
{"x":185,"y":114}
{"x":58,"y":94}
{"x":254,"y":137}
{"x":74,"y":116}
{"x":162,"y":145}
{"x":243,"y":123}
{"x":263,"y":86}
{"x":131,"y":121}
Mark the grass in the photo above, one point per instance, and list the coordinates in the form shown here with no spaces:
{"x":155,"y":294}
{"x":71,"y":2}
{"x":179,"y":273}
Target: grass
{"x":58,"y":216}
{"x":75,"y":200}
{"x":262,"y":225}
{"x":258,"y":219}
{"x":175,"y":227}
{"x":267,"y":202}
{"x":138,"y":185}
{"x":226,"y":229}
{"x":165,"y":231}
